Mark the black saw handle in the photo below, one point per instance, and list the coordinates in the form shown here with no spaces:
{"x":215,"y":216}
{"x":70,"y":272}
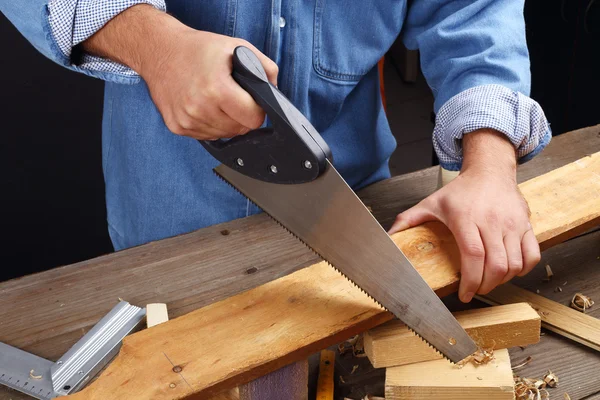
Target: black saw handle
{"x":291,"y":151}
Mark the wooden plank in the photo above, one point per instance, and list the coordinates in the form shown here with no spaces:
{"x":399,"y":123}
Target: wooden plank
{"x":556,"y":317}
{"x":440,"y":379}
{"x":392,"y":344}
{"x":325,"y":380}
{"x":48,"y":312}
{"x":289,"y":382}
{"x":302,"y":312}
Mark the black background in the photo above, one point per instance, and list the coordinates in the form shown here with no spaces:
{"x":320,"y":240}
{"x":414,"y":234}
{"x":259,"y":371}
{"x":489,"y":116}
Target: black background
{"x":52,"y":190}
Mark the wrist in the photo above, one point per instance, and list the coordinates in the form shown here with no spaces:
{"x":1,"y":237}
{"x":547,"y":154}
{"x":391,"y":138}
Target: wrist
{"x":489,"y":150}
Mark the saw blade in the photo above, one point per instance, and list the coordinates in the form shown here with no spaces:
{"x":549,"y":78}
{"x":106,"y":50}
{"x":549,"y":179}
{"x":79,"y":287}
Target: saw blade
{"x":329,"y":218}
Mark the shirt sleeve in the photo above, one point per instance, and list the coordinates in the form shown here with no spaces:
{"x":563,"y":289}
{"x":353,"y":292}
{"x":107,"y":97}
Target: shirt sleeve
{"x":73,"y":21}
{"x":475,"y":59}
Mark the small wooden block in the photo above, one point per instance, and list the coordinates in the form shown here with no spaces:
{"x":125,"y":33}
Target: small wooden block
{"x":501,"y":327}
{"x":156,"y":313}
{"x":440,"y":379}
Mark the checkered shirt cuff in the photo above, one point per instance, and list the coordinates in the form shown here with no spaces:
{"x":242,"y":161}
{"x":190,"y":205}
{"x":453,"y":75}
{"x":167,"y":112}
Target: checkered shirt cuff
{"x":73,"y":21}
{"x":517,"y":116}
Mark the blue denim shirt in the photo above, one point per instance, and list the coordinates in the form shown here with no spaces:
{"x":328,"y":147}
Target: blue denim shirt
{"x":158,"y":184}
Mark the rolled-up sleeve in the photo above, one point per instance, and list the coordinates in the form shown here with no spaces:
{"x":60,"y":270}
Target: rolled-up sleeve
{"x":57,"y":26}
{"x":475,"y":59}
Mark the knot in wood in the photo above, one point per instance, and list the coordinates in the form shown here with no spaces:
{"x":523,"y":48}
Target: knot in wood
{"x":177,"y":369}
{"x":425,"y":246}
{"x":225,"y":232}
{"x":251,"y":270}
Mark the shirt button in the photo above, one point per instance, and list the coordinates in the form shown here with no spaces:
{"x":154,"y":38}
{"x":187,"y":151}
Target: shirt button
{"x":281,"y":22}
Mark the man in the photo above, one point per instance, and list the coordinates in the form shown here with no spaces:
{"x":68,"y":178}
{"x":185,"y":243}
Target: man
{"x":169,"y":80}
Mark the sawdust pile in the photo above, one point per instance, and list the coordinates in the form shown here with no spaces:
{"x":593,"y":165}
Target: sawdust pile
{"x":356,"y":344}
{"x":480,"y":357}
{"x":534,"y":389}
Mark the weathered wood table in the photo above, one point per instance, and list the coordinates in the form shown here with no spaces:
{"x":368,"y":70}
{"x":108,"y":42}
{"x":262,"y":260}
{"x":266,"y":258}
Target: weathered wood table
{"x":47,"y":312}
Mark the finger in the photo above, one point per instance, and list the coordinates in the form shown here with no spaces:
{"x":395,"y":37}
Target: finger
{"x":240,"y":106}
{"x":269,"y":65}
{"x":531,"y":252}
{"x":512,"y":244}
{"x":412,"y":217}
{"x":472,"y":257}
{"x":202,"y":132}
{"x":213,"y":120}
{"x":496,"y":262}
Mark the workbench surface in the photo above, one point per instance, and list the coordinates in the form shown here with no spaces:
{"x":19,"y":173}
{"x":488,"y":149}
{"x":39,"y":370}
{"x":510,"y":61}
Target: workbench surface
{"x":46,"y":313}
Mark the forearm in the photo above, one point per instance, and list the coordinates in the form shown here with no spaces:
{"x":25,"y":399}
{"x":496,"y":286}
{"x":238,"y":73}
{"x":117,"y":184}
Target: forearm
{"x":136,"y":37}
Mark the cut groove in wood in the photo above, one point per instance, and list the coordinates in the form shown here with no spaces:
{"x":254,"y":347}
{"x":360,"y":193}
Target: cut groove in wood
{"x":556,"y":317}
{"x":256,"y":332}
{"x":441,"y":380}
{"x":392,"y":344}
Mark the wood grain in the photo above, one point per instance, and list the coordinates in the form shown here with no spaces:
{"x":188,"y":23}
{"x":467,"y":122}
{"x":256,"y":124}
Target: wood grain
{"x":300,"y":313}
{"x":441,"y":380}
{"x":289,"y":382}
{"x":46,"y":313}
{"x":392,"y":344}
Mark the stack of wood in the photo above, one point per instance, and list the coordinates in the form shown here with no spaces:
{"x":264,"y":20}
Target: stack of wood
{"x":416,"y":371}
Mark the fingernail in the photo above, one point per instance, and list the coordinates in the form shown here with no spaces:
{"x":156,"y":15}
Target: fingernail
{"x":467,"y":297}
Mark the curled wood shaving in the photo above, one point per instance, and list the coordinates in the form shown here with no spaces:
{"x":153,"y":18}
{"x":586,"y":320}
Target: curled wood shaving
{"x":567,"y":397}
{"x":581,"y":302}
{"x":355,"y":344}
{"x":549,"y":273}
{"x":32,"y":376}
{"x":522,"y":364}
{"x":558,"y":289}
{"x":480,"y":357}
{"x":551,"y":379}
{"x":354,"y":368}
{"x":535,"y":389}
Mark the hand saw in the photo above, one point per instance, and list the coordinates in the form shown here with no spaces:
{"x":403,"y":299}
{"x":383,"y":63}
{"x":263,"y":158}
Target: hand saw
{"x":287,"y":171}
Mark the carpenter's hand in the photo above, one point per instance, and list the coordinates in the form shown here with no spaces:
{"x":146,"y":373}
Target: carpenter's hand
{"x":486,"y":213}
{"x":187,"y":71}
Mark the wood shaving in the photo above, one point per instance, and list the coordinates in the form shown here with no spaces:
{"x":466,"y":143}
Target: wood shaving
{"x":355,"y":344}
{"x":354,"y":368}
{"x":549,"y":273}
{"x":523,"y":363}
{"x":342,"y":379}
{"x":565,"y":284}
{"x":567,"y":397}
{"x":480,"y":357}
{"x":551,"y":379}
{"x":32,"y":376}
{"x":558,"y":289}
{"x":581,"y":302}
{"x":537,"y":291}
{"x":530,"y":389}
{"x":535,"y":389}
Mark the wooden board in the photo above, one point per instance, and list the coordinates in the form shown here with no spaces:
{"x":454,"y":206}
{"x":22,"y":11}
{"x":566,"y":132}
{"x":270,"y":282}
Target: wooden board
{"x":556,"y":317}
{"x":392,"y":344}
{"x":46,"y":313}
{"x":289,"y":382}
{"x":303,"y":312}
{"x":440,"y":379}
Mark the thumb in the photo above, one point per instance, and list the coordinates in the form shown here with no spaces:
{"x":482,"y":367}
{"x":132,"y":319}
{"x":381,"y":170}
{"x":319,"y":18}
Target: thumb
{"x":412,"y":217}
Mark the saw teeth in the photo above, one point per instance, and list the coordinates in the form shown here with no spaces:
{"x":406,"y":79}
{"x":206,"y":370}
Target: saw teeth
{"x":332,"y":266}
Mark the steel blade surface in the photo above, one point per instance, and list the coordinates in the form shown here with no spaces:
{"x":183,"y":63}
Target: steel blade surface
{"x":328,"y":217}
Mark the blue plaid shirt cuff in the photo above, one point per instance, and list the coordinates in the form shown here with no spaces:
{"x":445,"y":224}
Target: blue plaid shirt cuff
{"x":73,"y":21}
{"x":517,"y":116}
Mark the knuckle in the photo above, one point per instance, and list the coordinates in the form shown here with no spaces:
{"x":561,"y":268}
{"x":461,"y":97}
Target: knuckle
{"x":498,"y":268}
{"x":475,"y":251}
{"x":510,"y":224}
